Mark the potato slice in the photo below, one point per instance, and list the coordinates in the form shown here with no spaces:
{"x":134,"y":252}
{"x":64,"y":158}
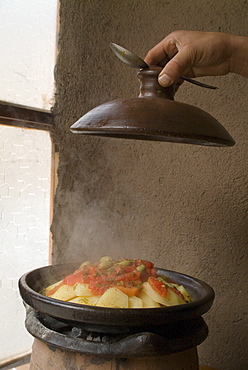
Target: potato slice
{"x":64,"y":293}
{"x":187,"y":297}
{"x":50,"y":287}
{"x":170,"y":300}
{"x":185,"y":294}
{"x":148,"y":302}
{"x":82,"y":290}
{"x":113,"y":297}
{"x":80,"y":300}
{"x":135,"y":302}
{"x":91,"y":301}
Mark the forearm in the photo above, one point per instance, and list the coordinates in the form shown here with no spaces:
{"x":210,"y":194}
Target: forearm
{"x":239,"y":57}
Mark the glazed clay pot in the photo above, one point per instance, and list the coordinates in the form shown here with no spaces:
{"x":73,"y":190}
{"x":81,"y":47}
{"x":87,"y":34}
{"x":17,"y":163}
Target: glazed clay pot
{"x":153,"y":115}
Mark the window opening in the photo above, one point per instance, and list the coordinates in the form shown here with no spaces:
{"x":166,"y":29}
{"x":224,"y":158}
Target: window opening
{"x":28,"y":31}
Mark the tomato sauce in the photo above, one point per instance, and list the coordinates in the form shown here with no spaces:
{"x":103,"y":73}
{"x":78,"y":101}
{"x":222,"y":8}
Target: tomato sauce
{"x":128,"y":278}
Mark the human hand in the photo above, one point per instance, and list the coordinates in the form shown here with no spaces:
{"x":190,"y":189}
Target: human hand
{"x":195,"y":54}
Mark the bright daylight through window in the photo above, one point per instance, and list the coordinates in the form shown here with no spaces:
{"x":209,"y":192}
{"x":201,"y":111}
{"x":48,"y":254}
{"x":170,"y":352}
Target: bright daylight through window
{"x":27,"y":58}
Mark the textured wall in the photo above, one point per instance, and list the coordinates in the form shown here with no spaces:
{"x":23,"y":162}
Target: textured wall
{"x":183,"y":207}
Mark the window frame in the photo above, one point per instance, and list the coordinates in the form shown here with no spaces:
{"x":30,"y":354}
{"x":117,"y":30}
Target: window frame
{"x":26,"y":117}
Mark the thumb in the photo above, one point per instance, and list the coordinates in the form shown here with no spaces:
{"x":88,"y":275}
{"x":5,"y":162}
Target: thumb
{"x":175,"y":68}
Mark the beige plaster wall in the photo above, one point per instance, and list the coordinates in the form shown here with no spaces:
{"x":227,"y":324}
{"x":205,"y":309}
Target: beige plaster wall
{"x":183,"y":207}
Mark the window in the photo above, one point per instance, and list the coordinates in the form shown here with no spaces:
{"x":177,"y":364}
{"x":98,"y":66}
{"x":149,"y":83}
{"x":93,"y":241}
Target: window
{"x":28,"y":49}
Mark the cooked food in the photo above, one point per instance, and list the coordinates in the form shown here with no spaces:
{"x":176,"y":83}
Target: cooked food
{"x":126,"y":283}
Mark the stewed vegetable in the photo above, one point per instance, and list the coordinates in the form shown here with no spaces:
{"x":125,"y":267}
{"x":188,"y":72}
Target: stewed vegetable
{"x":126,"y":283}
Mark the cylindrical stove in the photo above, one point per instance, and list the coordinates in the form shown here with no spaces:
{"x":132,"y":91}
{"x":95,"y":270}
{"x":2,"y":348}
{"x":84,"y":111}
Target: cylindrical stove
{"x":78,"y":337}
{"x":44,"y":357}
{"x":61,"y":346}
